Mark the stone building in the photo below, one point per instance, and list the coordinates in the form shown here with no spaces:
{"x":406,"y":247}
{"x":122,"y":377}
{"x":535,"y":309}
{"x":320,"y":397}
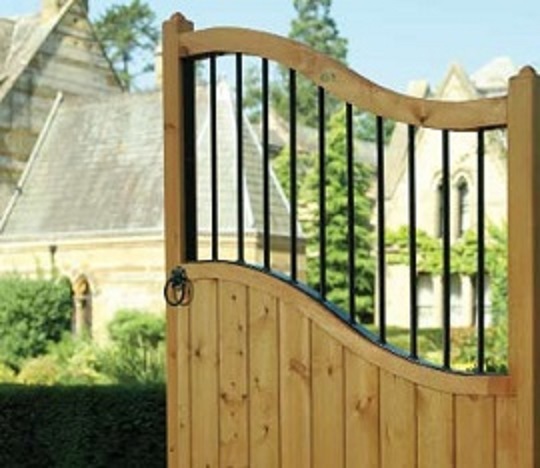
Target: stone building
{"x":89,"y":202}
{"x":489,"y":81}
{"x":41,"y":55}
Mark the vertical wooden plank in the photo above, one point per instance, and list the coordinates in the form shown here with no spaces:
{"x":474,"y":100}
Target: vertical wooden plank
{"x":183,"y":376}
{"x":435,"y":413}
{"x":475,"y":431}
{"x":328,"y":400}
{"x":398,"y":422}
{"x":204,"y":375}
{"x":174,"y":227}
{"x":233,"y":391}
{"x":524,"y":258}
{"x":506,"y":432}
{"x":295,"y":387}
{"x":264,"y":379}
{"x":361,"y":413}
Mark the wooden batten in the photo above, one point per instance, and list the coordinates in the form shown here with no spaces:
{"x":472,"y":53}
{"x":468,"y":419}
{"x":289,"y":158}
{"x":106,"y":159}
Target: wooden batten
{"x":524,"y":257}
{"x":173,"y":102}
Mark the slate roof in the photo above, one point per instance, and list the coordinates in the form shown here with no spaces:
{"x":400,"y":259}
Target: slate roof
{"x":99,"y":172}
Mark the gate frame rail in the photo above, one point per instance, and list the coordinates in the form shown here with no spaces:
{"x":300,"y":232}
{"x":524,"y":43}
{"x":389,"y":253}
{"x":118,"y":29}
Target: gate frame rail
{"x":520,"y":112}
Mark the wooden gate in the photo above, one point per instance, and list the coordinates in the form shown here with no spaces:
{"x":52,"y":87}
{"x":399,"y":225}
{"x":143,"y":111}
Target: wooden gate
{"x":263,"y":373}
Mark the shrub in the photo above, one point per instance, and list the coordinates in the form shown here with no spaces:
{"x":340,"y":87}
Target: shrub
{"x":136,"y":353}
{"x":33,"y":312}
{"x":42,"y":370}
{"x":7,"y":374}
{"x":71,"y":361}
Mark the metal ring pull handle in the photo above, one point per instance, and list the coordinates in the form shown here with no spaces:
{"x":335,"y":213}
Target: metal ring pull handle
{"x":177,"y":290}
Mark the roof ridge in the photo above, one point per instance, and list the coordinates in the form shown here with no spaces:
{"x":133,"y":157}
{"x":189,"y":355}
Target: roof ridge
{"x":30,"y":164}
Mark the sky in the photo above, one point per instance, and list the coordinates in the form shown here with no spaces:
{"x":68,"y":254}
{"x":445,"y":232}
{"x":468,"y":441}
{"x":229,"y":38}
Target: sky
{"x":390,"y":42}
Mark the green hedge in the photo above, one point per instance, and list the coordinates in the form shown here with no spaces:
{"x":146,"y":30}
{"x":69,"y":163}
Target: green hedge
{"x":82,"y":426}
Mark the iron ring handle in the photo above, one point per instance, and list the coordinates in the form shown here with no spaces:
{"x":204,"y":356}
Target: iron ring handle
{"x":176,"y":288}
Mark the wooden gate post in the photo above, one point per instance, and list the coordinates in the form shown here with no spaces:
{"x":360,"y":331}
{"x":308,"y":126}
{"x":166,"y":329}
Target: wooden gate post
{"x":175,"y":230}
{"x":524,"y":258}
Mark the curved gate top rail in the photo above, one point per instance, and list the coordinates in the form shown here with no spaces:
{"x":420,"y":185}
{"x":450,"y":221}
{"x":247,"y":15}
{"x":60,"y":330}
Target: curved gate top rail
{"x":346,"y":84}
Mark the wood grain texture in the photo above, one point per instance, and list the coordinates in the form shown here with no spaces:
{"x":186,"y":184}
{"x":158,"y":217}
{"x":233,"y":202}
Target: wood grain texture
{"x":205,"y":375}
{"x":475,"y":432}
{"x":361,"y":413}
{"x":295,"y":387}
{"x":372,"y":353}
{"x":524,"y":258}
{"x":174,"y":253}
{"x":347,"y":85}
{"x":398,"y":422}
{"x":328,"y":400}
{"x":435,"y":413}
{"x":183,"y":377}
{"x":233,"y":379}
{"x":264,"y":379}
{"x":507,"y":434}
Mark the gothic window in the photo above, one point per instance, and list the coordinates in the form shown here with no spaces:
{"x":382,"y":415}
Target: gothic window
{"x":463,"y":206}
{"x":440,"y":211}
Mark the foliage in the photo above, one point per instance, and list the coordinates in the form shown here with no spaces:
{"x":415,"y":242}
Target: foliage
{"x":463,"y":256}
{"x":42,"y":370}
{"x":366,"y":127}
{"x":83,"y":426}
{"x":33,"y":312}
{"x":71,"y":361}
{"x":137,"y":350}
{"x":129,"y":35}
{"x":336,"y":224}
{"x":314,"y":27}
{"x":463,"y":260}
{"x":7,"y":374}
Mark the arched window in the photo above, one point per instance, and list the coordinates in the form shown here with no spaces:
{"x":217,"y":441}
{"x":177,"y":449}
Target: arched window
{"x":463,"y":206}
{"x":440,"y":211}
{"x":82,"y":297}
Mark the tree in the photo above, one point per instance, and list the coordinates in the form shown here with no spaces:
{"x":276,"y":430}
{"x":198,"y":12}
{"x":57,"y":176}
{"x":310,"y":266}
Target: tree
{"x":336,"y":224}
{"x":129,"y":35}
{"x":314,"y":27}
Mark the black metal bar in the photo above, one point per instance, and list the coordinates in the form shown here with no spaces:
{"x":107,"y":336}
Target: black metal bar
{"x":381,"y":256}
{"x":322,"y":193}
{"x":446,"y":276}
{"x":413,"y":299}
{"x":292,"y":170}
{"x":480,"y":268}
{"x":266,"y":164}
{"x":190,"y":167}
{"x":240,"y":154}
{"x":214,"y":159}
{"x":350,"y":212}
